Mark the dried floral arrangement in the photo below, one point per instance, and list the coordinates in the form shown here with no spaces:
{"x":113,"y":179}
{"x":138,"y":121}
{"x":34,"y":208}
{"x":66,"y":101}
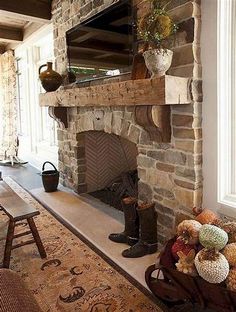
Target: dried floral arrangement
{"x":156,"y":27}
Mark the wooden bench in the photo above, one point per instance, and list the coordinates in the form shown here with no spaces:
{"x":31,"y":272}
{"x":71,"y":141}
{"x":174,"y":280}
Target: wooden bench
{"x":18,"y":210}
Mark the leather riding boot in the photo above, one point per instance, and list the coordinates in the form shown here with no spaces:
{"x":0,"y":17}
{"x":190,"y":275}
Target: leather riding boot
{"x":130,"y":234}
{"x":147,"y":243}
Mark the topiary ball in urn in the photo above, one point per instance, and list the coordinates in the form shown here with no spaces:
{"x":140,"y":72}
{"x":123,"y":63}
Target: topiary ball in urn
{"x":155,"y":29}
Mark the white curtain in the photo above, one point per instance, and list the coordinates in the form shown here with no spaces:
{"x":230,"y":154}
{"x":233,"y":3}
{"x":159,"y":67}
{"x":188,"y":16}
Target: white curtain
{"x":8,"y":107}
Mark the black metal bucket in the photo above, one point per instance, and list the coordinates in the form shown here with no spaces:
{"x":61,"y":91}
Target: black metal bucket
{"x":50,"y":178}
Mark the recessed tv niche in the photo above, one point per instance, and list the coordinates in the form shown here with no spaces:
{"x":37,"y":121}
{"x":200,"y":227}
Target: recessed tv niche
{"x":103,"y":45}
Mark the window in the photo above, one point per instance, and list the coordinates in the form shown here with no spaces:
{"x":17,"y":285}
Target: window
{"x":37,"y":131}
{"x":226,"y":97}
{"x":21,"y":98}
{"x":43,"y":52}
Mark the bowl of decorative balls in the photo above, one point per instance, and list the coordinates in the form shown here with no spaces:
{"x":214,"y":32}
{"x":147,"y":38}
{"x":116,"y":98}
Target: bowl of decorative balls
{"x":198,"y":264}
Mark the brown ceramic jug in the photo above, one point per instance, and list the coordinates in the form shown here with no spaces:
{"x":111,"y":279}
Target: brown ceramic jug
{"x":50,"y":79}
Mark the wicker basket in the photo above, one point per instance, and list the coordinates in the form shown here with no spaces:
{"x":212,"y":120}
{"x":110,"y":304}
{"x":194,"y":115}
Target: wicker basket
{"x":174,"y":287}
{"x":14,"y":296}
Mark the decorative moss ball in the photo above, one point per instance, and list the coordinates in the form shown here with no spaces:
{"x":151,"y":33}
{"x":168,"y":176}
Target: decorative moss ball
{"x":210,"y":236}
{"x":230,"y":254}
{"x":231,"y":280}
{"x":212,"y":266}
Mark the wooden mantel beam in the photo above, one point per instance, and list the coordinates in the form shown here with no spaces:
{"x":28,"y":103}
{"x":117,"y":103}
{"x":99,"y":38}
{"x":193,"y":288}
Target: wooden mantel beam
{"x":150,"y":97}
{"x":11,"y":34}
{"x":34,"y":10}
{"x":165,"y":90}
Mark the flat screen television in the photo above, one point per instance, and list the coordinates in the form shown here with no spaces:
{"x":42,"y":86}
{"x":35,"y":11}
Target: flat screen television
{"x":103,"y":45}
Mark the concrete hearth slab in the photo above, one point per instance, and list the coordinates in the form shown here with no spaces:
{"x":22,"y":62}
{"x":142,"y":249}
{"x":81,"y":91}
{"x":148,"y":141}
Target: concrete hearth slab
{"x":95,"y":221}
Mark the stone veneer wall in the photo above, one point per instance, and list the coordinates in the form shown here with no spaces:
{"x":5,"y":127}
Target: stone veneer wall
{"x":170,"y":174}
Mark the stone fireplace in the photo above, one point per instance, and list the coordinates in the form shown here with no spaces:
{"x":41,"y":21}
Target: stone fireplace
{"x":170,"y":174}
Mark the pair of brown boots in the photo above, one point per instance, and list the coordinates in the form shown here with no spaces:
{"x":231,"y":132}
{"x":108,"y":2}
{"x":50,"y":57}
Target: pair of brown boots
{"x":140,"y":229}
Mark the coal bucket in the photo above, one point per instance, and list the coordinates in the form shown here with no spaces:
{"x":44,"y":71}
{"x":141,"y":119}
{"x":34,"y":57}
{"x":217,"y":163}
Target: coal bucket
{"x":50,"y":178}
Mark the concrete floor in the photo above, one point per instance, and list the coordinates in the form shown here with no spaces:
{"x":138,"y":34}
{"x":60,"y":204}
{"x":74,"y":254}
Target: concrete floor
{"x":25,"y":175}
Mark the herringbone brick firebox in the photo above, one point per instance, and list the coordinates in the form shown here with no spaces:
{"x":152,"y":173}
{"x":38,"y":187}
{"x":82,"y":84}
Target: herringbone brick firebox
{"x":105,"y":157}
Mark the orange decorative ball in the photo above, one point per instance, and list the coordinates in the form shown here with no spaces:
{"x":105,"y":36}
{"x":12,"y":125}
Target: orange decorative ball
{"x":206,"y":217}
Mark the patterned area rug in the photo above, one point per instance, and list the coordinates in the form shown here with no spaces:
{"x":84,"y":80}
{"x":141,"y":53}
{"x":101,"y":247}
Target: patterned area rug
{"x":72,"y":277}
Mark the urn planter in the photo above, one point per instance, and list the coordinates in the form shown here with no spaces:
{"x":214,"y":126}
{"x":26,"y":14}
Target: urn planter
{"x":158,"y":61}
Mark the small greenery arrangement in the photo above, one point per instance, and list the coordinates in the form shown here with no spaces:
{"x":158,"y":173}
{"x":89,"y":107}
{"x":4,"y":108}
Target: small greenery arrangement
{"x":156,"y":27}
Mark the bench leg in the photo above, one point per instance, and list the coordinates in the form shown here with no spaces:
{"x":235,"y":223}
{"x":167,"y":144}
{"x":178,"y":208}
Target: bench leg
{"x":8,"y":246}
{"x":37,"y":238}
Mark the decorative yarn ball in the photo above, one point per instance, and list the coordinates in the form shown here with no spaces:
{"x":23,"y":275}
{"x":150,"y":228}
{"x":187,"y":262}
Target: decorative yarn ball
{"x":188,"y":231}
{"x":206,"y":216}
{"x":230,"y":228}
{"x":211,"y":236}
{"x":212,"y":266}
{"x":230,"y":253}
{"x":231,"y":280}
{"x":178,"y":246}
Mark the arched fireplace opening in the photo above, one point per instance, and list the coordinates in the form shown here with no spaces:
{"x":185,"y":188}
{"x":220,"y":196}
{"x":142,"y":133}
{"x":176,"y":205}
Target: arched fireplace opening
{"x":110,"y":167}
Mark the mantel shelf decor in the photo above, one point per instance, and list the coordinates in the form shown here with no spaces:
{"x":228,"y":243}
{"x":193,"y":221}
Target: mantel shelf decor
{"x":144,"y":94}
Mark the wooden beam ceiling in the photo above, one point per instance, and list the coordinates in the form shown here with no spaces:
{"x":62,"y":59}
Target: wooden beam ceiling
{"x":9,"y":34}
{"x":33,"y":10}
{"x":104,"y":64}
{"x":110,"y":36}
{"x":20,"y":18}
{"x":100,"y":45}
{"x":96,"y":50}
{"x":125,"y":20}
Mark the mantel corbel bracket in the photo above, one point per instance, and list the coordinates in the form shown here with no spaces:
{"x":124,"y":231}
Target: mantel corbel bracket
{"x":60,"y":115}
{"x":156,"y":121}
